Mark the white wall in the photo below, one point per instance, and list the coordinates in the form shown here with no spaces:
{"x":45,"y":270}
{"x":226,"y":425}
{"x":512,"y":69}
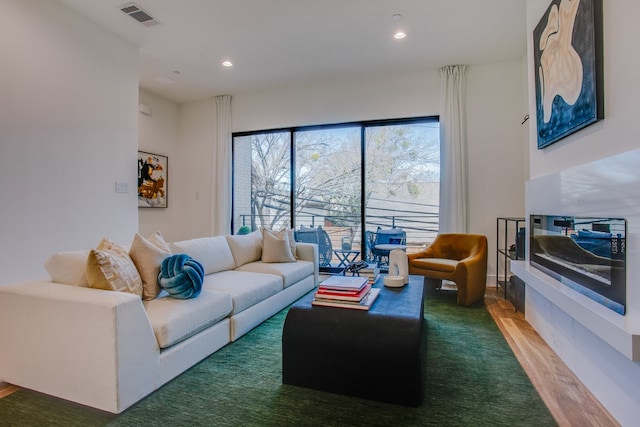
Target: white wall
{"x":68,"y":120}
{"x":495,"y":110}
{"x":617,"y":132}
{"x":396,"y":96}
{"x":158,"y":134}
{"x":611,"y":377}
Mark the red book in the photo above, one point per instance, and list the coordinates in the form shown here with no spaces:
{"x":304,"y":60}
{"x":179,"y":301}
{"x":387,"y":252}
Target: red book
{"x":343,"y":295}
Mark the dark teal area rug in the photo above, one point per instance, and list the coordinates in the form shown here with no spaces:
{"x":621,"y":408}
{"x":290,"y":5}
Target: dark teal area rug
{"x":472,"y":379}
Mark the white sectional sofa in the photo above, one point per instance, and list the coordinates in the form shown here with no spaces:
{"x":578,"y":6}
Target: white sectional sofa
{"x":108,"y":349}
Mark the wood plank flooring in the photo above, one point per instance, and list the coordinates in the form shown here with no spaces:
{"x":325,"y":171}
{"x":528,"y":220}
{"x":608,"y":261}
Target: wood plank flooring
{"x":570,"y":403}
{"x":568,"y":400}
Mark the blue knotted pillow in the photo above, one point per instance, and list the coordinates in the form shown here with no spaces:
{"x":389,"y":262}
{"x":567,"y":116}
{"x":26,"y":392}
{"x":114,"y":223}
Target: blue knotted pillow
{"x":181,"y":276}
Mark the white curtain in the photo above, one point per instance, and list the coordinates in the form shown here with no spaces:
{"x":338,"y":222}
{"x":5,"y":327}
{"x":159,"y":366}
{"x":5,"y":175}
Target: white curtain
{"x":453,"y":151}
{"x":221,"y":168}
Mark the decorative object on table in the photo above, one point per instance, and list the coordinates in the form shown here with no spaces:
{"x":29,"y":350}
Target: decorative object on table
{"x":152,"y":180}
{"x":393,"y":281}
{"x":399,"y":264}
{"x":356,"y":266}
{"x":568,"y":64}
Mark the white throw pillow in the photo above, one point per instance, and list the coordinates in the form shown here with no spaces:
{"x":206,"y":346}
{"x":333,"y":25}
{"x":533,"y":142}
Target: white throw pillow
{"x":276,"y":246}
{"x":109,"y":267}
{"x":245,"y":248}
{"x":68,"y":267}
{"x":147,"y":255}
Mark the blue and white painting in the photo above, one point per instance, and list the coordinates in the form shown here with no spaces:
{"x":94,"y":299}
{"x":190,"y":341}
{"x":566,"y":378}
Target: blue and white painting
{"x":568,"y":61}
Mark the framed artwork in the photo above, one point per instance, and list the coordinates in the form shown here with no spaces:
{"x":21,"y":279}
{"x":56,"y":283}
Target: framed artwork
{"x":152,"y":180}
{"x":567,"y":46}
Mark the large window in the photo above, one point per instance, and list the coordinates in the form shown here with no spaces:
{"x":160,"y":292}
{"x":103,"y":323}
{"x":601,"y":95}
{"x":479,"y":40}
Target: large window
{"x":349,"y":179}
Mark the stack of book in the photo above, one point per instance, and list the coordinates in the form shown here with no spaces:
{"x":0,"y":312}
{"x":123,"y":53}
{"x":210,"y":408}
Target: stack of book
{"x":346,"y":292}
{"x":371,"y":271}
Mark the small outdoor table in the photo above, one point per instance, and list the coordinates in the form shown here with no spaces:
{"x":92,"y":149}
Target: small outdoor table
{"x":346,"y":257}
{"x":376,"y":354}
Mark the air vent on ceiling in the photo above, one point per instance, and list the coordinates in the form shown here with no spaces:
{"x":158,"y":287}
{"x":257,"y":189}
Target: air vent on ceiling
{"x":134,"y":11}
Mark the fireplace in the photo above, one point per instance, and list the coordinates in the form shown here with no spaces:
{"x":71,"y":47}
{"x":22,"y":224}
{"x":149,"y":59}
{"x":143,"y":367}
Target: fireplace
{"x":586,"y":254}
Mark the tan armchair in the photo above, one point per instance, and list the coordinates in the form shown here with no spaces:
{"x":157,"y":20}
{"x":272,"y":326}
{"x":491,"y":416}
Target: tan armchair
{"x":460,"y":258}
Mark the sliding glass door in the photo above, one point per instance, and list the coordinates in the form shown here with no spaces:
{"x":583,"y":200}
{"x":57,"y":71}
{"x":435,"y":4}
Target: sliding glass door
{"x":403,"y":179}
{"x":262,"y":181}
{"x":350,"y":180}
{"x":328,"y":182}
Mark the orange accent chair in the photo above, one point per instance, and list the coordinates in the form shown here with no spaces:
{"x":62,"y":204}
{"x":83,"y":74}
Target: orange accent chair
{"x":460,"y":258}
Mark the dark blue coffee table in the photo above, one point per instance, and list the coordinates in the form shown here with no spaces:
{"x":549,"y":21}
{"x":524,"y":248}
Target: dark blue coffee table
{"x":376,"y":354}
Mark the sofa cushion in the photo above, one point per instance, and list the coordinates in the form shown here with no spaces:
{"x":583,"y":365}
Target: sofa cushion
{"x":175,"y":320}
{"x":245,"y":288}
{"x":147,"y":254}
{"x":109,"y":267}
{"x":245,"y":248}
{"x":68,"y":267}
{"x":277,"y":246}
{"x":291,"y":272}
{"x":212,"y":252}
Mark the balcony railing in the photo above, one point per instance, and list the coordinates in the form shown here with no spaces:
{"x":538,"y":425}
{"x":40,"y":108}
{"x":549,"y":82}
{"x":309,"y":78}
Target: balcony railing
{"x":420,"y":229}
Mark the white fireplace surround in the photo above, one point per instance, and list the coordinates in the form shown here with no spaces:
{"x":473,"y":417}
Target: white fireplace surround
{"x":599,"y":345}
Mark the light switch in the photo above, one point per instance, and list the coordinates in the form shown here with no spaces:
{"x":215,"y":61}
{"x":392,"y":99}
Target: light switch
{"x":122,"y":187}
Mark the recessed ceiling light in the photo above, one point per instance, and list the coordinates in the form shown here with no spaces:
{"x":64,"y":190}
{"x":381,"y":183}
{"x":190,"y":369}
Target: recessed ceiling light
{"x":400,"y":35}
{"x":227,"y":64}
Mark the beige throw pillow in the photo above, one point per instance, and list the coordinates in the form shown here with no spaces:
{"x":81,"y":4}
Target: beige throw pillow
{"x":68,"y":267}
{"x":276,"y":246}
{"x":245,"y":248}
{"x":147,"y":255}
{"x":109,"y":267}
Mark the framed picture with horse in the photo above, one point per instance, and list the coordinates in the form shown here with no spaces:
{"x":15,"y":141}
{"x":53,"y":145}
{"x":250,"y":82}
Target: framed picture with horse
{"x":152,"y":180}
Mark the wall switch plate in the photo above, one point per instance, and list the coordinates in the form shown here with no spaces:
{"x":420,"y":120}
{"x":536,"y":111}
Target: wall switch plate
{"x":122,"y":187}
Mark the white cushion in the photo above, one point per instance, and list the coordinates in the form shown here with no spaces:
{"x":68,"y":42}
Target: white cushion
{"x":291,"y":272}
{"x":245,"y":288}
{"x":68,"y":267}
{"x":212,"y":252}
{"x":109,"y":267}
{"x":175,"y":320}
{"x":278,"y":246}
{"x":245,"y":248}
{"x":147,"y":254}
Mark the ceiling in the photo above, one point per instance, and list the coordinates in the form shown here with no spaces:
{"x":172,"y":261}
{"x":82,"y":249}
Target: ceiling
{"x":275,"y":44}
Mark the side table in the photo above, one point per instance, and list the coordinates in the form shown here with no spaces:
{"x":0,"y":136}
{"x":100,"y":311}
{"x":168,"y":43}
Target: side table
{"x":346,"y":257}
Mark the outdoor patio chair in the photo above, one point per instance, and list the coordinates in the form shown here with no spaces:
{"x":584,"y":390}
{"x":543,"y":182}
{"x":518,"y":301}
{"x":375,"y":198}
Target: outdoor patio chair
{"x":321,"y":238}
{"x":383,"y":238}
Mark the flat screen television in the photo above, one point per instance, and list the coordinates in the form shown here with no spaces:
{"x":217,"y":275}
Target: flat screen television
{"x":584,"y":253}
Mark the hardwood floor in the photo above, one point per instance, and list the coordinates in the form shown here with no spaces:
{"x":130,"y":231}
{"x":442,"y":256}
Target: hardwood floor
{"x":570,"y":403}
{"x":568,"y":400}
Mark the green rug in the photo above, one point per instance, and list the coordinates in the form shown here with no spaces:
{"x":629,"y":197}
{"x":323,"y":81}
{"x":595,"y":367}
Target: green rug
{"x":472,"y":379}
